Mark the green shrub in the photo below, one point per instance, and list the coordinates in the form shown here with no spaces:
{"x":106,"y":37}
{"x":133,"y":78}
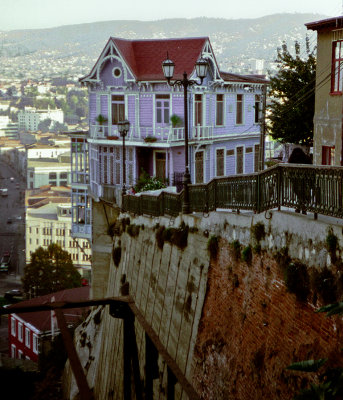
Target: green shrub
{"x":297,"y":280}
{"x":258,"y":231}
{"x":332,"y":244}
{"x":247,"y":254}
{"x":236,"y":249}
{"x":213,"y":247}
{"x":146,"y":182}
{"x":325,"y":286}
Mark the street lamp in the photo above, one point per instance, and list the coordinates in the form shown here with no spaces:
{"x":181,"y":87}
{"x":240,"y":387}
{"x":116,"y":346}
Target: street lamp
{"x":124,"y":127}
{"x":201,"y":71}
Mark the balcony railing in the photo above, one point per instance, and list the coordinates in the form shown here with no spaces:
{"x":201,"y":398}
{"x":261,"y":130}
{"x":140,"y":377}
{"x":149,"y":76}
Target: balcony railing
{"x":166,"y":134}
{"x":304,"y":188}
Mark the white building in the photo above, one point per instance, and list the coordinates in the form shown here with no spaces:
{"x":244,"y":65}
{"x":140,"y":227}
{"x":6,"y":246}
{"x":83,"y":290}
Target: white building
{"x":48,"y":220}
{"x":30,"y":117}
{"x":42,"y":172}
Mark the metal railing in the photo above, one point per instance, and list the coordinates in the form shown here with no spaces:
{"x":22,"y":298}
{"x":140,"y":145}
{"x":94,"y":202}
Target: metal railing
{"x":166,"y":134}
{"x":302,"y":187}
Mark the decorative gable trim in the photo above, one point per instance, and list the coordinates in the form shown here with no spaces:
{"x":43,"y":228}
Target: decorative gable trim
{"x":109,"y":52}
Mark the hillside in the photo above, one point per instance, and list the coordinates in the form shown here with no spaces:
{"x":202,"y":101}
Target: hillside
{"x":232,"y":40}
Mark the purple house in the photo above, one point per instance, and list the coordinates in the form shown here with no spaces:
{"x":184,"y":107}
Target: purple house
{"x":127,"y":82}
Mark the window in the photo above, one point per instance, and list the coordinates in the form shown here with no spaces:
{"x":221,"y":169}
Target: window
{"x":198,"y":110}
{"x":220,"y":162}
{"x":20,"y":354}
{"x":336,"y":67}
{"x":118,"y":109}
{"x":20,"y":331}
{"x":52,"y":178}
{"x":239,"y":109}
{"x":35,"y":343}
{"x":13,"y":330}
{"x":220,"y":110}
{"x":239,"y":159}
{"x":63,"y":178}
{"x":162,"y":109}
{"x":13,"y":351}
{"x":328,"y":155}
{"x":257,"y":108}
{"x":27,"y":338}
{"x":256,"y":157}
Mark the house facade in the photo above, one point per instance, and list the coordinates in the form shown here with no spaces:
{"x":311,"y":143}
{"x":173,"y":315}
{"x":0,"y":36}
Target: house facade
{"x":127,"y":82}
{"x":29,"y":334}
{"x":328,"y":128}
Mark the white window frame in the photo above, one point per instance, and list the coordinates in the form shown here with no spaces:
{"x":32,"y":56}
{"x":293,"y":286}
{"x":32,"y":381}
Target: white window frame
{"x":13,"y":326}
{"x":204,"y":165}
{"x":240,"y":145}
{"x":215,"y":166}
{"x":224,"y":108}
{"x":243,"y":110}
{"x":27,"y":338}
{"x":20,"y":331}
{"x":35,"y":343}
{"x":20,"y":354}
{"x":13,"y":351}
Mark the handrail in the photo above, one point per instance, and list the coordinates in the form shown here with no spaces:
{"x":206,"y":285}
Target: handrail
{"x":318,"y":189}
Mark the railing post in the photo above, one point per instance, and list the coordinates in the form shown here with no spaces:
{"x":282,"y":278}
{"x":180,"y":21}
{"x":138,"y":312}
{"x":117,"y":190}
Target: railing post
{"x":258,"y":193}
{"x":279,"y":188}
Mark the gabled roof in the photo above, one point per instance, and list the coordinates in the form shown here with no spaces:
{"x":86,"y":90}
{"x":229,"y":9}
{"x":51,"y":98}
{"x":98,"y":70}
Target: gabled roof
{"x":144,"y":57}
{"x":329,"y":23}
{"x":41,"y":320}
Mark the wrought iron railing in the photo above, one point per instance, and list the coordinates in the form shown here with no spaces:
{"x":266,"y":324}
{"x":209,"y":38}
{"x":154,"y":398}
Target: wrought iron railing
{"x":302,"y":187}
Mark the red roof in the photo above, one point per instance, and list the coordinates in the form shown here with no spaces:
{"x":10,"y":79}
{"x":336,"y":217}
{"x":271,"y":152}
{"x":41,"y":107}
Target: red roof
{"x":42,"y":319}
{"x":329,"y":23}
{"x":145,"y":57}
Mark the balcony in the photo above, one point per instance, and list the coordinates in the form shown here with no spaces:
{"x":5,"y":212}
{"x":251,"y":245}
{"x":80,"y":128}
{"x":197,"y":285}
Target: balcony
{"x":81,"y":231}
{"x":166,"y":134}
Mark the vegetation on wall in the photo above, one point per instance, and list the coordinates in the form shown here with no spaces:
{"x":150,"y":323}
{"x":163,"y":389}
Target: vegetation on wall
{"x":247,"y":254}
{"x":175,"y":236}
{"x":213,"y":247}
{"x":236,"y":249}
{"x":116,"y":255}
{"x":258,"y":231}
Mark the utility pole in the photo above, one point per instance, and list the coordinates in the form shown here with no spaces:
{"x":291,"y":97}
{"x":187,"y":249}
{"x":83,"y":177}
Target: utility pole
{"x":263,"y":127}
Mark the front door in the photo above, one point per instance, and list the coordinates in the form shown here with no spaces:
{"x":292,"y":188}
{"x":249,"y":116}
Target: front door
{"x":160,"y":165}
{"x":199,"y":167}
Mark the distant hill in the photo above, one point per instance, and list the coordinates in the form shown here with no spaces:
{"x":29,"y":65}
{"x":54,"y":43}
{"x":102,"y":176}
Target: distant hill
{"x":231,"y":39}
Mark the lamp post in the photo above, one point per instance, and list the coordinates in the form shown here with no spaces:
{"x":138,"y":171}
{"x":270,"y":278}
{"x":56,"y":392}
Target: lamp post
{"x":124,"y":127}
{"x":201,"y":71}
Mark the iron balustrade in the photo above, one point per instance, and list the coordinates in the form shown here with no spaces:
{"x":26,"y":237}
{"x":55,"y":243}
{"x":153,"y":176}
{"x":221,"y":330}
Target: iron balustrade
{"x":317,"y":189}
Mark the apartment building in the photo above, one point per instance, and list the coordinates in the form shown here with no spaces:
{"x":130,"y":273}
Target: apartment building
{"x":48,"y":220}
{"x":30,"y":117}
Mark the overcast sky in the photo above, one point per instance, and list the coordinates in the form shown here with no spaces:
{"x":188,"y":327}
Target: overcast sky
{"x":31,"y":14}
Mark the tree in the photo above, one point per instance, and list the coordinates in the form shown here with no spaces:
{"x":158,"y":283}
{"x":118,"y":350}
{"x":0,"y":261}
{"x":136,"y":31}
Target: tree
{"x":44,"y":125}
{"x":50,"y":270}
{"x":292,"y":93}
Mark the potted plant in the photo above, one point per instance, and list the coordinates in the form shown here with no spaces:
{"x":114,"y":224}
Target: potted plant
{"x":101,"y":119}
{"x":176,"y":121}
{"x":150,"y":139}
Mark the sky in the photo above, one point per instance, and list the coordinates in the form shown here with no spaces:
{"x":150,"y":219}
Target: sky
{"x":35,"y":14}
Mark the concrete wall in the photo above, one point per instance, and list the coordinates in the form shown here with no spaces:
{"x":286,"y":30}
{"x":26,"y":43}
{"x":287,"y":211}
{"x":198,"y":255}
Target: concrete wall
{"x":231,"y":326}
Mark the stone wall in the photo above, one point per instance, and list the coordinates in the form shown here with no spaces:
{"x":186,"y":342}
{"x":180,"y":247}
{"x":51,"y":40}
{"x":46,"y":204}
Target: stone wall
{"x":231,"y":325}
